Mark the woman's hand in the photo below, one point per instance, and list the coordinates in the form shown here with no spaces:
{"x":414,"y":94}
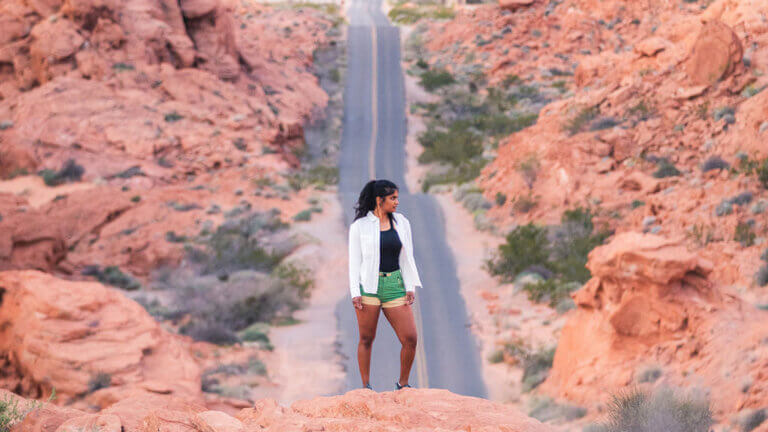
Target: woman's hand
{"x":410,"y":297}
{"x":357,"y":302}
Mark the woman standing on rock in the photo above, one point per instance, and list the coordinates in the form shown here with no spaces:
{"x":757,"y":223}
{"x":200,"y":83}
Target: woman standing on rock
{"x":382,"y":274}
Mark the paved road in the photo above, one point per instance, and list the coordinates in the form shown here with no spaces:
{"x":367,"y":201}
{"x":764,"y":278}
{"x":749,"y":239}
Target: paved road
{"x":447,"y":355}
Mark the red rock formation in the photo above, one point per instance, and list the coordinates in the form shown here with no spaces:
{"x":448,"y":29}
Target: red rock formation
{"x":357,"y":410}
{"x":60,"y":334}
{"x":649,"y":303}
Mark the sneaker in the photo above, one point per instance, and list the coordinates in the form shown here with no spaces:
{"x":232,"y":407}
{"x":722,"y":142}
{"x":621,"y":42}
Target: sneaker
{"x":368,"y":386}
{"x":398,"y":386}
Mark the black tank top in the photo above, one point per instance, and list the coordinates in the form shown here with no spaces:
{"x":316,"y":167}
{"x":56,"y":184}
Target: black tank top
{"x":389,"y":249}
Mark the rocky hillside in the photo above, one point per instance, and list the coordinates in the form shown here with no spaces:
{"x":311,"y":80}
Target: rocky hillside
{"x":638,"y":126}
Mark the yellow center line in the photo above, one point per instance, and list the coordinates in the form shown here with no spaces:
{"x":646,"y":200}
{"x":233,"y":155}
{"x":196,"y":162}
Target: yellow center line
{"x":421,"y":364}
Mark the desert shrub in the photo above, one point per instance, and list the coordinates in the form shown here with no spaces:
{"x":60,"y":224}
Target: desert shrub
{"x":546,"y":409}
{"x":571,"y":242}
{"x":551,"y":291}
{"x":98,"y":381}
{"x":529,"y":169}
{"x":236,"y":277}
{"x":743,"y":234}
{"x":665,"y":169}
{"x":536,"y":366}
{"x":404,"y":14}
{"x":762,"y":173}
{"x":524,"y":203}
{"x":751,"y":419}
{"x":463,"y":173}
{"x":649,"y":374}
{"x":603,"y":123}
{"x":303,"y":216}
{"x":70,"y":171}
{"x":713,"y":163}
{"x":257,"y":332}
{"x":496,"y":356}
{"x":500,"y":198}
{"x":580,"y":121}
{"x":454,"y":146}
{"x":316,"y":175}
{"x":642,"y":111}
{"x":112,"y":275}
{"x":561,"y":251}
{"x":525,"y":246}
{"x":236,"y":245}
{"x":172,"y":237}
{"x":10,"y":413}
{"x":433,"y":79}
{"x":662,"y":410}
{"x":637,"y":203}
{"x":173,"y":117}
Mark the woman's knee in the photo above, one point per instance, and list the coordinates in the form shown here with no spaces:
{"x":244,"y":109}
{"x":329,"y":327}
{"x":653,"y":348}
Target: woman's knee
{"x":409,"y":340}
{"x":366,"y":340}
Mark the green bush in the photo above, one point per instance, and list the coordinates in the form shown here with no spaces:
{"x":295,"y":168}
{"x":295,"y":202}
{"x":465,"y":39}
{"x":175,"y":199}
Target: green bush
{"x":536,"y":366}
{"x":525,"y":246}
{"x":303,"y":216}
{"x":433,"y":79}
{"x":561,"y":250}
{"x":173,"y":117}
{"x":69,"y":172}
{"x":454,"y":146}
{"x":112,"y":275}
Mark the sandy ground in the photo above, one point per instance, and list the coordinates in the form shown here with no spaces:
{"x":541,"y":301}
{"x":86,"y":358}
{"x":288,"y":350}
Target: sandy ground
{"x":305,"y":363}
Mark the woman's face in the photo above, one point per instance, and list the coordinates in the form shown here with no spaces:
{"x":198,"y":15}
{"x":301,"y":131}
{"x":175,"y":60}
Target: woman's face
{"x":389,"y":203}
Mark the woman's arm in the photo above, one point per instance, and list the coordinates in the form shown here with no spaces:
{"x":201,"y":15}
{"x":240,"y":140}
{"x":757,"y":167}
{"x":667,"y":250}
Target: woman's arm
{"x":355,"y":259}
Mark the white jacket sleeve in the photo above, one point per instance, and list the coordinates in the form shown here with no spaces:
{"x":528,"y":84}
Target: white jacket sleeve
{"x":355,"y":260}
{"x":417,"y":281}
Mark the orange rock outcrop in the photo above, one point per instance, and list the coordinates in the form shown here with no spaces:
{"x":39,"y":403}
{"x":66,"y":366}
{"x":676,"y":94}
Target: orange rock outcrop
{"x":650,"y":304}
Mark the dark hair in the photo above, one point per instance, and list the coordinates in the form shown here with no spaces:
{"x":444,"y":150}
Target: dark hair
{"x":367,"y":200}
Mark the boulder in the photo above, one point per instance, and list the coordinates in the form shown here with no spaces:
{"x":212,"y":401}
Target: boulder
{"x":514,"y":5}
{"x":716,"y":54}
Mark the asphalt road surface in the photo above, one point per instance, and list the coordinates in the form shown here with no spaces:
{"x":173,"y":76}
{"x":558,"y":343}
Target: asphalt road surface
{"x":447,"y":353}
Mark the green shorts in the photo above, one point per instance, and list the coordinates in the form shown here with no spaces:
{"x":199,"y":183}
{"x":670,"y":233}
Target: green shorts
{"x":391,"y":290}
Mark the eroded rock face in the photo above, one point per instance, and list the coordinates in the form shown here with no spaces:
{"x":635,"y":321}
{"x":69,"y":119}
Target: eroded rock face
{"x":357,"y":410}
{"x":650,"y":303}
{"x":61,"y":334}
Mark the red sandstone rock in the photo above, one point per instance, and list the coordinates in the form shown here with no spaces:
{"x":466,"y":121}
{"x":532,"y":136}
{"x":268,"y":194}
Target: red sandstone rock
{"x":515,"y":4}
{"x":650,"y":302}
{"x":715,"y":55}
{"x":357,"y":410}
{"x":60,"y":334}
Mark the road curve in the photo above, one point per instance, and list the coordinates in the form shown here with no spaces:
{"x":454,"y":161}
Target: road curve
{"x":447,"y":353}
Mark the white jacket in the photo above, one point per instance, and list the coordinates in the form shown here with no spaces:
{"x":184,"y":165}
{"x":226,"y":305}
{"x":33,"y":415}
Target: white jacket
{"x":364,"y":237}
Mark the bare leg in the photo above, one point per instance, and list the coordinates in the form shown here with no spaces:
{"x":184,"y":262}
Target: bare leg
{"x":367,"y":319}
{"x":401,"y":318}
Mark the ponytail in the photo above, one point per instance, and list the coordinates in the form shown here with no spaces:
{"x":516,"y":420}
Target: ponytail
{"x":367,"y":200}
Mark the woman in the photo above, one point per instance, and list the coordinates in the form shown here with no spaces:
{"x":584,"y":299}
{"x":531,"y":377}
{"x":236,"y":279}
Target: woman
{"x":382,"y":274}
